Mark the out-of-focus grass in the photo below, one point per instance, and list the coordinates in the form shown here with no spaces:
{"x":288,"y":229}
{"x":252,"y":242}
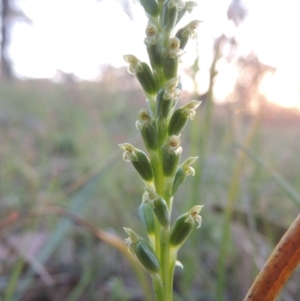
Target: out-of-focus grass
{"x":52,"y":135}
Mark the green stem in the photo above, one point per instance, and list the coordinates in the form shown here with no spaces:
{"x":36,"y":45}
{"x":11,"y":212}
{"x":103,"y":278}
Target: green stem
{"x":162,"y":248}
{"x":158,"y":287}
{"x":167,"y":265}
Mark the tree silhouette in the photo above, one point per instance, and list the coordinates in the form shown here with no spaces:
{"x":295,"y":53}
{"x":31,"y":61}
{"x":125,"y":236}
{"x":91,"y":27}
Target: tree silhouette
{"x":10,"y":14}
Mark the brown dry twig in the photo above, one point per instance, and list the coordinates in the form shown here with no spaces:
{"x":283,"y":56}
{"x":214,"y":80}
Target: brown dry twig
{"x":109,"y":238}
{"x":279,"y":267}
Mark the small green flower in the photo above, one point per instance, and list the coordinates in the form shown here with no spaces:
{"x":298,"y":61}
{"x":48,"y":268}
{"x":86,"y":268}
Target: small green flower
{"x":150,"y":6}
{"x":173,"y":50}
{"x":171,"y":88}
{"x":171,"y":56}
{"x":146,"y":215}
{"x":166,"y":97}
{"x":143,"y":251}
{"x":147,"y":126}
{"x":151,"y":33}
{"x":159,"y":206}
{"x":169,"y":15}
{"x":183,"y":170}
{"x":179,"y":3}
{"x":187,"y":32}
{"x":139,"y":160}
{"x":181,"y":116}
{"x":153,"y":49}
{"x":134,"y":64}
{"x":142,"y":72}
{"x":171,"y":154}
{"x":189,"y":6}
{"x":184,"y":225}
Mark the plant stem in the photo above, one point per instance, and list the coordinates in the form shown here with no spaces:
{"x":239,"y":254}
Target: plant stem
{"x":162,"y":245}
{"x":279,"y":267}
{"x":167,"y":278}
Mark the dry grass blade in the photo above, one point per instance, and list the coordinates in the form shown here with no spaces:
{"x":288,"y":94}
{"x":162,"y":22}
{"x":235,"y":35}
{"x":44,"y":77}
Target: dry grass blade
{"x":109,"y":238}
{"x":279,"y":267}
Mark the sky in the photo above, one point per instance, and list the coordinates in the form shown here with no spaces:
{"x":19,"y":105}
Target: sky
{"x":80,"y":36}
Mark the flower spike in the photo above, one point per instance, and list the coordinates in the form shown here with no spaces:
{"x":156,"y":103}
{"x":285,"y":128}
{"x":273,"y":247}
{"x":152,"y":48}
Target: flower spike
{"x":160,"y":124}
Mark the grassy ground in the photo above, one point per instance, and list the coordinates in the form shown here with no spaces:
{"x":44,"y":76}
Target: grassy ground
{"x":59,"y":148}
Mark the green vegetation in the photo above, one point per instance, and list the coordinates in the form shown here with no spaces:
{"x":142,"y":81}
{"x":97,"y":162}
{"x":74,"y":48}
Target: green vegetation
{"x":59,"y":148}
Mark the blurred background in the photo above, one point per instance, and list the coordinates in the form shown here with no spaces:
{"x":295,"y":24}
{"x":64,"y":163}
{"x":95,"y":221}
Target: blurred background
{"x":67,"y":101}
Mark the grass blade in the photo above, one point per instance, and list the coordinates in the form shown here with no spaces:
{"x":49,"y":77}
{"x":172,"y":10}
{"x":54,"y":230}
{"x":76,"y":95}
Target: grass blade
{"x":281,"y":181}
{"x":13,"y":280}
{"x":77,"y":203}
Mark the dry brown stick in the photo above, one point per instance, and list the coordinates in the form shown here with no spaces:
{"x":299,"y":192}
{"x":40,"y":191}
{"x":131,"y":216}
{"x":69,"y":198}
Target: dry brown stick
{"x":279,"y":267}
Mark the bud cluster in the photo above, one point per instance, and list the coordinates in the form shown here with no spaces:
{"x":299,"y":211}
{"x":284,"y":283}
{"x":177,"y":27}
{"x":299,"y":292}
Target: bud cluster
{"x":161,"y":125}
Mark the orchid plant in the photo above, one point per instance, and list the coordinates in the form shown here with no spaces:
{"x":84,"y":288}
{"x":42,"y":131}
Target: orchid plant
{"x":160,"y":124}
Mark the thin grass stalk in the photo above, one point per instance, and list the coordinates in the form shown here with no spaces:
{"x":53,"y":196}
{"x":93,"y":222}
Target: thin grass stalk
{"x":81,"y":286}
{"x":233,"y":192}
{"x":279,"y":179}
{"x":201,"y":138}
{"x":200,"y":131}
{"x":13,"y":281}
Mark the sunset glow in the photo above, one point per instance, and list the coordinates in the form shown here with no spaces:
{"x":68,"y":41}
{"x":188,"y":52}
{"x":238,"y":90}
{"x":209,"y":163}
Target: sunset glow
{"x":282,"y":88}
{"x":79,"y":36}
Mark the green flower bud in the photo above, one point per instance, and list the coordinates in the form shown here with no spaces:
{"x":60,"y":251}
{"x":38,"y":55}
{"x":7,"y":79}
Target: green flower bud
{"x":151,"y":7}
{"x":162,"y":212}
{"x":182,"y":172}
{"x":139,"y":160}
{"x":173,"y":48}
{"x":170,"y":12}
{"x":187,"y":32}
{"x":146,"y":215}
{"x":147,"y":126}
{"x":152,"y":46}
{"x":180,"y":177}
{"x":159,"y":205}
{"x":170,"y":67}
{"x":142,"y":72}
{"x":170,"y":155}
{"x":181,"y":116}
{"x":184,"y":225}
{"x":189,"y":6}
{"x":146,"y":79}
{"x":142,"y":250}
{"x":133,"y":238}
{"x":147,"y":256}
{"x":154,"y":55}
{"x":172,"y":88}
{"x":165,"y":97}
{"x":170,"y":58}
{"x":134,"y":64}
{"x":151,"y":33}
{"x":163,"y":104}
